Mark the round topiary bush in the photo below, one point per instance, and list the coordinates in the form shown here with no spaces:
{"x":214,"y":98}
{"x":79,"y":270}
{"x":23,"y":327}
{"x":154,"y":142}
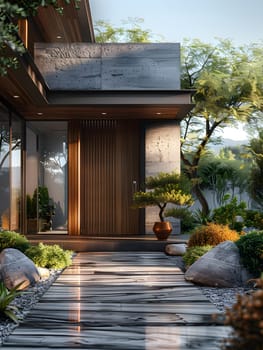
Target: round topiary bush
{"x":251,"y":251}
{"x":212,"y":234}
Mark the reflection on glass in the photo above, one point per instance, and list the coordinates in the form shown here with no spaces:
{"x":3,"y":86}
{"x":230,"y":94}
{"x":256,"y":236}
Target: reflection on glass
{"x":47,"y":188}
{"x":15,"y":178}
{"x":4,"y":168}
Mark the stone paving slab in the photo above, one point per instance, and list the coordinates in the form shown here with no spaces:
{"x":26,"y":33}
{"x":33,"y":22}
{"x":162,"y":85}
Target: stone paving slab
{"x":122,"y":301}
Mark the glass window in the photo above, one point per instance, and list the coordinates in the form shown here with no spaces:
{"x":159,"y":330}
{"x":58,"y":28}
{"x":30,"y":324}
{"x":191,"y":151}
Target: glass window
{"x":46,"y":176}
{"x":4,"y":168}
{"x":15,"y":176}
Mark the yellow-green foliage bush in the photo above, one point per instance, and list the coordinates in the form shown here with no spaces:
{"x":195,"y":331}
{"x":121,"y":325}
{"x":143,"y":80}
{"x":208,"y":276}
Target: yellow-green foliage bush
{"x":212,"y":234}
{"x":50,"y":256}
{"x":194,"y":253}
{"x":246,"y":318}
{"x":11,"y":239}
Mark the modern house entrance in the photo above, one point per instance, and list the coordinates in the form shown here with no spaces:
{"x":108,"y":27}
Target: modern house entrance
{"x":82,"y":125}
{"x":92,"y":164}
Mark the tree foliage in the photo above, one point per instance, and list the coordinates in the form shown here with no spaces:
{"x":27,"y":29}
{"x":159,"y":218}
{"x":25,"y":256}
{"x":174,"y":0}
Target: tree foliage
{"x":130,"y":31}
{"x":10,"y":12}
{"x":255,"y":184}
{"x":223,"y":174}
{"x":228,"y":83}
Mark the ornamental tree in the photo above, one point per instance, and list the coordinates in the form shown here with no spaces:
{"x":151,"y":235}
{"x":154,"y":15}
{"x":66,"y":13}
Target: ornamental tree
{"x":162,"y":189}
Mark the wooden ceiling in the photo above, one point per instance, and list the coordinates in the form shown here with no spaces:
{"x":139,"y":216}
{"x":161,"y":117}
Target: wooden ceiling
{"x":25,"y":90}
{"x":107,"y":112}
{"x":74,"y":25}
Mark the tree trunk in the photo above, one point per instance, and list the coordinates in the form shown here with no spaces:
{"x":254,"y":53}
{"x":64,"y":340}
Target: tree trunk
{"x":201,"y":198}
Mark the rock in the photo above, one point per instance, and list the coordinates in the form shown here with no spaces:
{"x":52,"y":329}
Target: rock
{"x":16,"y":268}
{"x":175,"y":249}
{"x":220,"y":267}
{"x":44,"y":273}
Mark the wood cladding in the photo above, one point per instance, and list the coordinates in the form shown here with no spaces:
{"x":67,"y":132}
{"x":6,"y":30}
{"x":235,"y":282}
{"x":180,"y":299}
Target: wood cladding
{"x":74,"y":178}
{"x":109,"y":159}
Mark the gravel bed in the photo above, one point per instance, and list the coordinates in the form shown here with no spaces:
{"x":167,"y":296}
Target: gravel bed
{"x":220,"y":297}
{"x":223,"y":298}
{"x":25,"y":302}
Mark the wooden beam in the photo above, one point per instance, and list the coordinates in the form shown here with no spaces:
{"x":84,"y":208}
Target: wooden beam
{"x":23,"y":31}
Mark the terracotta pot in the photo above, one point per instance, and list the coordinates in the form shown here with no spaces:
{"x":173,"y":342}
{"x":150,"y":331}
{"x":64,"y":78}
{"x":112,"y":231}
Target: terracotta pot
{"x":32,"y":226}
{"x":162,"y":230}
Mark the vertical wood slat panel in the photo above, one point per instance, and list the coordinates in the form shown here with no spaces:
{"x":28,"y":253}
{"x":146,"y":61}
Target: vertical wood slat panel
{"x":74,"y":178}
{"x":128,"y":154}
{"x":98,"y":176}
{"x":109,"y":163}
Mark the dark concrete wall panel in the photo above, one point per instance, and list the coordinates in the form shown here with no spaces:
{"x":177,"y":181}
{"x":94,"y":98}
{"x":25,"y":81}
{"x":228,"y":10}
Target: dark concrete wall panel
{"x":109,"y":66}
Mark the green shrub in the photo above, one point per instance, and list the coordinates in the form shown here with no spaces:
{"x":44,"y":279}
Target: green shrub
{"x":251,"y":251}
{"x":226,"y":214}
{"x":201,"y":218}
{"x":187,"y":219}
{"x":194,"y":253}
{"x":212,"y":234}
{"x":6,"y":298}
{"x":254,"y":218}
{"x":50,"y":256}
{"x":11,"y":239}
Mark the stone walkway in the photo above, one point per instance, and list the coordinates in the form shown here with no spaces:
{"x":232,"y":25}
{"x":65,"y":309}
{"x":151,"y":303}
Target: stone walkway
{"x":124,"y":301}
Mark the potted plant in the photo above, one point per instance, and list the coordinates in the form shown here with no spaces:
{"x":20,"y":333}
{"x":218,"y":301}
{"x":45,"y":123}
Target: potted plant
{"x":162,"y":189}
{"x":45,"y":207}
{"x":31,"y":211}
{"x":40,"y":209}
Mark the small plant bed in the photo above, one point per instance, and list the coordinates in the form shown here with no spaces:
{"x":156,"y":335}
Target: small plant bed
{"x":43,"y":255}
{"x":14,"y":305}
{"x":23,"y":302}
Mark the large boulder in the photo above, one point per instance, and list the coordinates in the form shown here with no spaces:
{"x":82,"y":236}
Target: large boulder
{"x":220,"y":267}
{"x":16,"y":268}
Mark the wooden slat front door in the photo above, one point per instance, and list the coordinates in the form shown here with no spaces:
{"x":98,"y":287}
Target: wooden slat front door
{"x":109,"y":164}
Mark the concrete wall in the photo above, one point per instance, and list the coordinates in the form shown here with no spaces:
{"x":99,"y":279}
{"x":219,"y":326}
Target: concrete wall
{"x":162,"y":154}
{"x":83,"y":66}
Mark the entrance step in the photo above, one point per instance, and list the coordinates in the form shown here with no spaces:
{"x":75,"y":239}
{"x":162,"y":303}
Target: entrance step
{"x":107,"y":244}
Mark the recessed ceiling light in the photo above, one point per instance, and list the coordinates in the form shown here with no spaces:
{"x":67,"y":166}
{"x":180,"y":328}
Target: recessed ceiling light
{"x":59,"y":37}
{"x":16,"y":96}
{"x":39,"y":113}
{"x":158,"y":113}
{"x":104,"y":113}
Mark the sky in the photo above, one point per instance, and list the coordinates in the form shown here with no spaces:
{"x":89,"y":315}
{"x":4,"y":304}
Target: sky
{"x":173,"y":20}
{"x":238,"y":20}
